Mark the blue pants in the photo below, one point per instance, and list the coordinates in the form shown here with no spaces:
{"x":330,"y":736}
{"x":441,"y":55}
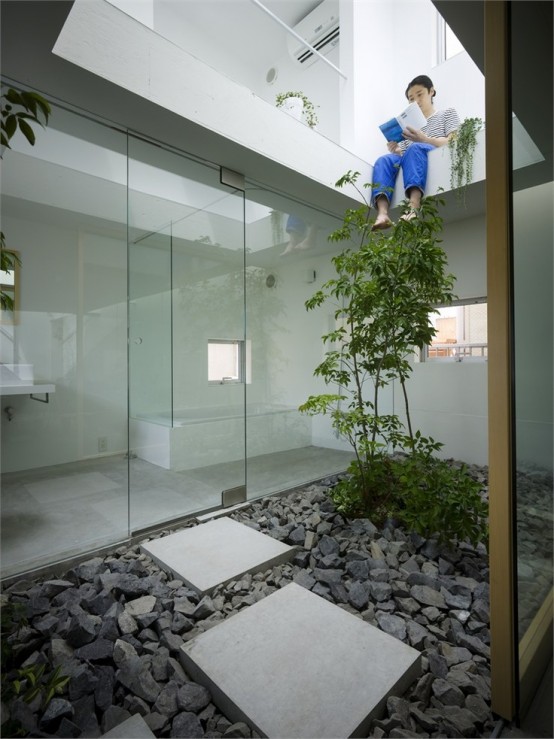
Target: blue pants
{"x":413,"y":164}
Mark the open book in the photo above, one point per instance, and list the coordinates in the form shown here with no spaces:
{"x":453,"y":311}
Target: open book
{"x":411,"y":116}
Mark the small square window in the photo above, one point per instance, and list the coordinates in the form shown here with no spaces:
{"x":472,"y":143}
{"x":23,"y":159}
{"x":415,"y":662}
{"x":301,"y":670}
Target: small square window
{"x":461,"y":332}
{"x":225,"y":361}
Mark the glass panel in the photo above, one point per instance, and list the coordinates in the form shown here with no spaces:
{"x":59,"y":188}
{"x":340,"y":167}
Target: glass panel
{"x":186,"y":278}
{"x":64,"y":471}
{"x":288,"y":257}
{"x":534,"y":352}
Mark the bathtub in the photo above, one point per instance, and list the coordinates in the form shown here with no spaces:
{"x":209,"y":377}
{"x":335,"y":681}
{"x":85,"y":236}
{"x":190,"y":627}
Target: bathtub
{"x":201,"y":437}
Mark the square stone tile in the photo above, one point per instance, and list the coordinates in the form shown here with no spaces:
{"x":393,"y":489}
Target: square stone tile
{"x":216,"y":552}
{"x":295,"y":665}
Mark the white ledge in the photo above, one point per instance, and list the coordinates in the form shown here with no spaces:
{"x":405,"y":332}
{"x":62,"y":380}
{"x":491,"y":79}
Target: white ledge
{"x":29,"y":389}
{"x":104,"y":40}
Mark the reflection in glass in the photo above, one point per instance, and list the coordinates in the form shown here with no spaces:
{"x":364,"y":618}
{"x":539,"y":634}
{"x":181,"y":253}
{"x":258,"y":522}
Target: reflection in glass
{"x":64,"y":472}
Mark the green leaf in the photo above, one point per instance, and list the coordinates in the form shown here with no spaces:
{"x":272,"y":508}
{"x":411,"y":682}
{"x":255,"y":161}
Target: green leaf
{"x":27,"y":131}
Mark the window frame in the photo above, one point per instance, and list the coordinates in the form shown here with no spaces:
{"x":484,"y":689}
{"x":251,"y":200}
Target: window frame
{"x":423,"y":354}
{"x":241,"y":362}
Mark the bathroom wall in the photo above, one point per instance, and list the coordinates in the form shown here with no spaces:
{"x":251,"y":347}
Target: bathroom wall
{"x":72,"y":329}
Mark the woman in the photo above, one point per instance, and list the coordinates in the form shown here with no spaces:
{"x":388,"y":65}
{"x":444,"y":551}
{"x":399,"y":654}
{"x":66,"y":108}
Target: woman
{"x":411,"y":155}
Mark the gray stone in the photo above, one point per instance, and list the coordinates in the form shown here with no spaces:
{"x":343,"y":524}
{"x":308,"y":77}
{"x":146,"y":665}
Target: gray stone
{"x":141,"y":606}
{"x":297,"y":536}
{"x":126,"y":623}
{"x":358,"y":595}
{"x":453,"y":600}
{"x":82,"y":682}
{"x":358,"y":569}
{"x":423,"y":688}
{"x":426,"y":719}
{"x":205,"y":608}
{"x":380,"y":591}
{"x":419,"y":578}
{"x":461,"y":719}
{"x":123,"y":652}
{"x":68,"y":729}
{"x":393,"y":625}
{"x":96,"y":651}
{"x":328,"y":545}
{"x":327,"y":576}
{"x":114,"y":716}
{"x":454,"y":655}
{"x":447,"y":693}
{"x":136,"y":677}
{"x":437,"y":664}
{"x":186,"y":724}
{"x":239,"y":729}
{"x":304,"y":579}
{"x":479,"y":708}
{"x":427,"y":596}
{"x":82,"y":629}
{"x":57,"y":709}
{"x":156,"y":721}
{"x":166,"y":702}
{"x":193,"y":697}
{"x":103,"y":693}
{"x":416,"y":634}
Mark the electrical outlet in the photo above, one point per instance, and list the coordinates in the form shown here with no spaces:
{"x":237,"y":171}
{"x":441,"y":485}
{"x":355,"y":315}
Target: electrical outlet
{"x":102,"y":443}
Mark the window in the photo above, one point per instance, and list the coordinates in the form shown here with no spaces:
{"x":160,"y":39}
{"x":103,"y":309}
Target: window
{"x":225,"y":361}
{"x":448,"y":44}
{"x":461,"y":332}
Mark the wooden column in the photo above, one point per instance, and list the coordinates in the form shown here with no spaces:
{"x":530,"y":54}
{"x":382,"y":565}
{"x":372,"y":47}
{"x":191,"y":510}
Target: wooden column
{"x":500,"y":353}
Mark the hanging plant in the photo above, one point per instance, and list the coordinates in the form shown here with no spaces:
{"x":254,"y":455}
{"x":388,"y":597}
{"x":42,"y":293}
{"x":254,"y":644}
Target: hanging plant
{"x":308,"y":108}
{"x":462,"y":147}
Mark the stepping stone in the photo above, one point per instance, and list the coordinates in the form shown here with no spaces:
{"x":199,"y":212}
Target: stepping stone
{"x":295,"y":665}
{"x":216,"y":552}
{"x":132,"y":728}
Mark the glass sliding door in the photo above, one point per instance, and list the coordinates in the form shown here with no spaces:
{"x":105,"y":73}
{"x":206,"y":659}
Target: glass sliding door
{"x":288,"y":258}
{"x":188,"y":360}
{"x":63,"y":376}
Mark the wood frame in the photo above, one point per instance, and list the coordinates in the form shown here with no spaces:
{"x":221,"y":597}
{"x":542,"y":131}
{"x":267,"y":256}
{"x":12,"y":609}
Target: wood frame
{"x":504,"y":663}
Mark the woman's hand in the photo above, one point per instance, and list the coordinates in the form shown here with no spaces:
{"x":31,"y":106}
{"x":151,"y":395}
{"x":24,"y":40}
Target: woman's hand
{"x":393,"y":147}
{"x":413,"y":134}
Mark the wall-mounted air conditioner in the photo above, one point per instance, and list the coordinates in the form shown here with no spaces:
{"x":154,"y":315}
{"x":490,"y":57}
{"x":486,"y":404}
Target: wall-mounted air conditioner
{"x":320,"y":28}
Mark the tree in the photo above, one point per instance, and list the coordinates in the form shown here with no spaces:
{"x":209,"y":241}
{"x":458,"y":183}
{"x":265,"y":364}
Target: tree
{"x":384,"y":294}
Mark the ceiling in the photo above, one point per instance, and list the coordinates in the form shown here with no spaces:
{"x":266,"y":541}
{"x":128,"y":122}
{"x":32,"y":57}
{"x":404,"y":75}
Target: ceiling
{"x":241,"y":28}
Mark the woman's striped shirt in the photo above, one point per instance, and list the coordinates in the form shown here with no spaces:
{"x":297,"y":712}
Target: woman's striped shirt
{"x":441,"y":123}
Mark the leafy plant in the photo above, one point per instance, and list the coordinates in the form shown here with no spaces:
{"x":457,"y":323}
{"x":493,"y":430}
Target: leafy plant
{"x":20,"y":110}
{"x":462,"y":147}
{"x":384,"y":294}
{"x":8,"y":261}
{"x":27,"y":682}
{"x":308,"y":108}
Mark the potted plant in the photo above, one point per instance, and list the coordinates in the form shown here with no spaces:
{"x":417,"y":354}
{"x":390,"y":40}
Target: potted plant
{"x":299,"y":106}
{"x":462,"y":147}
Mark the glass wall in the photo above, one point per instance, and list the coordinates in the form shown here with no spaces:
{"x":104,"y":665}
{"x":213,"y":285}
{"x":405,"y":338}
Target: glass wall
{"x":160,"y":348}
{"x":63,"y":353}
{"x":187,"y":342}
{"x":288,"y":258}
{"x":533,"y":284}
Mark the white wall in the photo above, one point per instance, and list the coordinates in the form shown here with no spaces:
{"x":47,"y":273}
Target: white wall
{"x":72,"y":328}
{"x":448,"y":400}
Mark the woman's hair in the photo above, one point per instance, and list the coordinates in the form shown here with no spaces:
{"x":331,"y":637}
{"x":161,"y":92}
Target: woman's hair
{"x":422,"y":80}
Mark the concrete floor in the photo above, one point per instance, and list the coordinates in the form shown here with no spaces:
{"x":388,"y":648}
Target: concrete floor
{"x":53,"y":513}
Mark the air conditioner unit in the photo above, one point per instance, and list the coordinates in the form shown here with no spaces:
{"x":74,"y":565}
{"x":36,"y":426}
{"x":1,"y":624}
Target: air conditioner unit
{"x":320,"y":28}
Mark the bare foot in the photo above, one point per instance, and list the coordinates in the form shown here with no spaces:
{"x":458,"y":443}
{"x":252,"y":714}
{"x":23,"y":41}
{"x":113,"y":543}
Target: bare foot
{"x":381,"y":222}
